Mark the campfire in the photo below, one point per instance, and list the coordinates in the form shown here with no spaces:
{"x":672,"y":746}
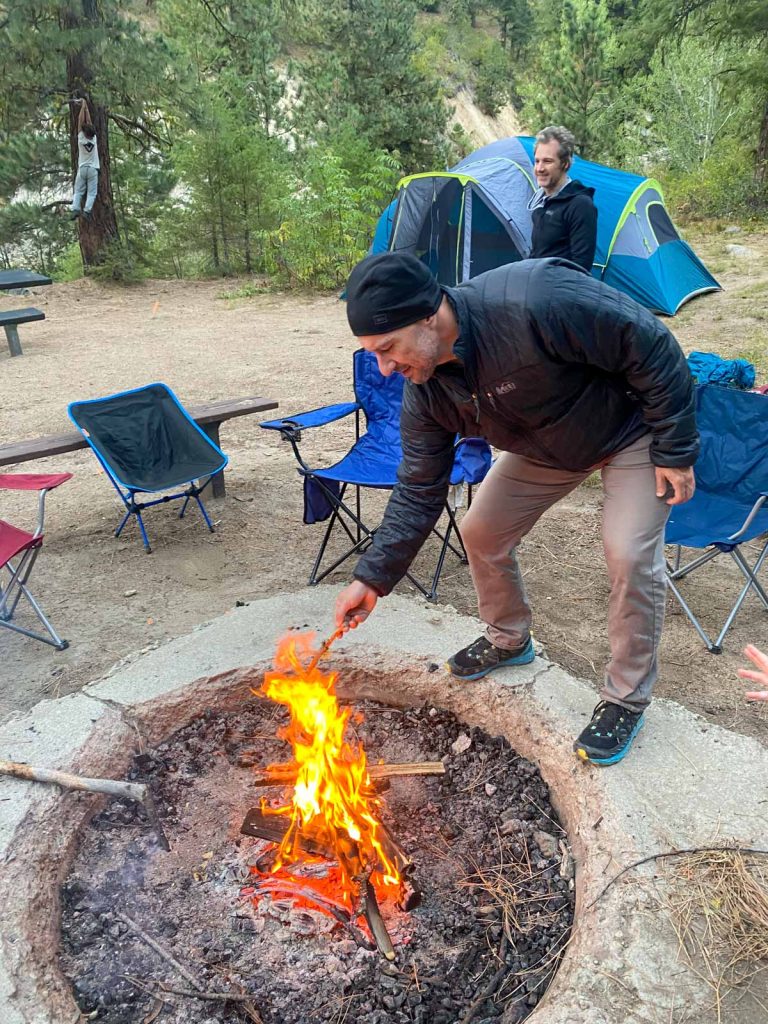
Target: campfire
{"x":304,"y":916}
{"x":333,"y":851}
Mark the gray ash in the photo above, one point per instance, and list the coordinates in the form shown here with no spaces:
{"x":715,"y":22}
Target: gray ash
{"x":490,"y":859}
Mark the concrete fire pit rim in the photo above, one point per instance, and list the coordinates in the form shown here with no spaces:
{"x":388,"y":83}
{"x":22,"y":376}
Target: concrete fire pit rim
{"x":539,"y":715}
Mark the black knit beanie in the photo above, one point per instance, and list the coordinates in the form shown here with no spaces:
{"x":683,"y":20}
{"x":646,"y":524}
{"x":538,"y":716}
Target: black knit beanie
{"x":389,"y":291}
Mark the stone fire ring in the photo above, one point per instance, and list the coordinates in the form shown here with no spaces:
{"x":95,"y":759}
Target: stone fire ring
{"x":685,"y":784}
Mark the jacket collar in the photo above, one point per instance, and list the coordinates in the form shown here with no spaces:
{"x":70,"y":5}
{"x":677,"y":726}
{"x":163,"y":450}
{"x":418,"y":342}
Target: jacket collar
{"x":464,"y":346}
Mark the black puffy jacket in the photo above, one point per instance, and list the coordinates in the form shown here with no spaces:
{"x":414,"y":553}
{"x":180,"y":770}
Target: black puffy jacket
{"x":566,"y":226}
{"x":555,"y":366}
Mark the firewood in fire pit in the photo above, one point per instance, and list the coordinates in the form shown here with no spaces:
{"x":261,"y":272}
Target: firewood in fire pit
{"x":372,"y":914}
{"x":285,"y":774}
{"x":274,"y":827}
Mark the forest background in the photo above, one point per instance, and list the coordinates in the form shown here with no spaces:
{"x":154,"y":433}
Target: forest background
{"x":265,"y":137}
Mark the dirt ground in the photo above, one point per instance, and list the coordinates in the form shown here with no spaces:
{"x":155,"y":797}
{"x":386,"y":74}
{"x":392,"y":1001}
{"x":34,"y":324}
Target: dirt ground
{"x":109,"y":598}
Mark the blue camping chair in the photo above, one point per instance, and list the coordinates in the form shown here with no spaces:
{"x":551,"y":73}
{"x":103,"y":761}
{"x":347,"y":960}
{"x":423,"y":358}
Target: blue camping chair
{"x":147,"y":442}
{"x":371,"y":462}
{"x":730,"y":506}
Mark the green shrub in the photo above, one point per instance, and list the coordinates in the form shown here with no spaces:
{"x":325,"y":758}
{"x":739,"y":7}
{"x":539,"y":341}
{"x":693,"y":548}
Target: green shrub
{"x":723,"y":186}
{"x":69,"y":264}
{"x":493,"y":78}
{"x":329,"y":218}
{"x":118,"y":264}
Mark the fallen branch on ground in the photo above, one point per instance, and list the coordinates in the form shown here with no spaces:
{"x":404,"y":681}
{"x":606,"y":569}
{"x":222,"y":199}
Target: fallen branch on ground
{"x":135,"y":791}
{"x":166,"y":990}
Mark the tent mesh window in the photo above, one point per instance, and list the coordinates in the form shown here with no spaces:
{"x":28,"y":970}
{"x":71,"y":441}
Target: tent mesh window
{"x":662,"y":226}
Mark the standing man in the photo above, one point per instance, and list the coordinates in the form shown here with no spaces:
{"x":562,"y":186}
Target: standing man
{"x":87,"y":178}
{"x":563,"y":214}
{"x":566,"y":376}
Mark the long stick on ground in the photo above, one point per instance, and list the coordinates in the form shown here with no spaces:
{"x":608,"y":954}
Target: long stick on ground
{"x":135,"y":791}
{"x":229,"y":997}
{"x":248,"y":1007}
{"x":154,"y":944}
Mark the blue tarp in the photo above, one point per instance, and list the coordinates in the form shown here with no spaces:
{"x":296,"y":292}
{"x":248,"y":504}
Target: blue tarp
{"x":709,"y":368}
{"x":731,"y":470}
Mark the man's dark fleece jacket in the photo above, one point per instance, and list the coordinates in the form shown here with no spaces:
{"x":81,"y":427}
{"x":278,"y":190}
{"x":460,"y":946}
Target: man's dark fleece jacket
{"x":554,"y":365}
{"x":566,"y":226}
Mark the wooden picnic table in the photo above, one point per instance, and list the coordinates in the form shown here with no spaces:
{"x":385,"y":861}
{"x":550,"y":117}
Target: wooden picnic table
{"x":10,"y":279}
{"x":10,"y":319}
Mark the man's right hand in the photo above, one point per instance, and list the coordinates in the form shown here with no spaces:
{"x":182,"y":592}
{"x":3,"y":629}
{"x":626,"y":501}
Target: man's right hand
{"x":354,"y":604}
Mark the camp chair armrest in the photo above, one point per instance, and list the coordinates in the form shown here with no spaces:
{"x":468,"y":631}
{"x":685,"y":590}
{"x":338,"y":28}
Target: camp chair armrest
{"x":748,"y":521}
{"x":313,"y":418}
{"x":40,"y":482}
{"x":32,"y":481}
{"x":461,"y":441}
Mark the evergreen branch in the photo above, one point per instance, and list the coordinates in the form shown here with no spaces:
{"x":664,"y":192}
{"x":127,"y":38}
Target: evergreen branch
{"x":224,"y":28}
{"x":127,"y":123}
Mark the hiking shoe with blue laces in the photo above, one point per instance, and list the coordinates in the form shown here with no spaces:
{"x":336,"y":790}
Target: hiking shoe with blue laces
{"x":481,"y":657}
{"x":609,"y":735}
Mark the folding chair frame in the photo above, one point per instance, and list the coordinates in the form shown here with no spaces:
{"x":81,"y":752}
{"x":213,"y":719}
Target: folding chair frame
{"x":128,"y":494}
{"x":677,"y":572}
{"x":135,"y":508}
{"x":362,"y":535}
{"x":17,"y":586}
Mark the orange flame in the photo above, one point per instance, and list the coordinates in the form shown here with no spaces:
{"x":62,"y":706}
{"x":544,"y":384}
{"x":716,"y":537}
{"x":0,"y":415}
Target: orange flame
{"x":331,"y":802}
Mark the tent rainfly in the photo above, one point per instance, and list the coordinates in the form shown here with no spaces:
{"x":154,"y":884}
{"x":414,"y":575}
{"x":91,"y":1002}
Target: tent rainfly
{"x":475,"y":216}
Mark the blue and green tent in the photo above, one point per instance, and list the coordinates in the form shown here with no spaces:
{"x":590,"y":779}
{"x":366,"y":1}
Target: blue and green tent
{"x":475,"y":216}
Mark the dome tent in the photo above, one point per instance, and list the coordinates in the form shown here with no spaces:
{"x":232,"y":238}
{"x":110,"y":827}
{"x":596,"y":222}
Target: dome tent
{"x":475,"y":216}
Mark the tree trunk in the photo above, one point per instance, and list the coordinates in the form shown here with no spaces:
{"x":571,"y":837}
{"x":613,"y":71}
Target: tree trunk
{"x":761,"y":161}
{"x":247,"y":235}
{"x":97,"y":233}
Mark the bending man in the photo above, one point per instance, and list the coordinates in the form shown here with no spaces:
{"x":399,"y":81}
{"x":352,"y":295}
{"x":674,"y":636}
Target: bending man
{"x":566,"y":376}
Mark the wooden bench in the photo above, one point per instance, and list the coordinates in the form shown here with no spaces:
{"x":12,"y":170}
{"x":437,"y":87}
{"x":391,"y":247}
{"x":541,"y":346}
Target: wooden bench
{"x":10,"y":320}
{"x":209,"y":417}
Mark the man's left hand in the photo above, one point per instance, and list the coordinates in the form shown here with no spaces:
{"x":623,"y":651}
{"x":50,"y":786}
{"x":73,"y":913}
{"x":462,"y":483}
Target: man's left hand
{"x":680,"y":480}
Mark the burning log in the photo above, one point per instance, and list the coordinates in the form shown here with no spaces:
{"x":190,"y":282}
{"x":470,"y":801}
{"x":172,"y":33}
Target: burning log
{"x":111,"y":787}
{"x":274,"y":829}
{"x":375,"y":921}
{"x":284,"y":887}
{"x":286,"y":774}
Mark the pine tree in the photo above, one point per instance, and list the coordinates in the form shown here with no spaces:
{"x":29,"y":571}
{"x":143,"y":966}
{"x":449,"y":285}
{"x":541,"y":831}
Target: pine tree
{"x":516,"y":24}
{"x":577,"y":73}
{"x":53,"y":52}
{"x":367,"y":81}
{"x":743,"y":24}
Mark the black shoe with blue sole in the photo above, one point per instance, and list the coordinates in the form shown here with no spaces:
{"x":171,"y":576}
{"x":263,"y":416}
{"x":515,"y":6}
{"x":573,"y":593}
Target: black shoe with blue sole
{"x":481,"y":657}
{"x":610,"y":734}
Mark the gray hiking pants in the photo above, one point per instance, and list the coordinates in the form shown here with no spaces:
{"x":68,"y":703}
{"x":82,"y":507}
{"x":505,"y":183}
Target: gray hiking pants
{"x":86,"y":184}
{"x":509,"y":502}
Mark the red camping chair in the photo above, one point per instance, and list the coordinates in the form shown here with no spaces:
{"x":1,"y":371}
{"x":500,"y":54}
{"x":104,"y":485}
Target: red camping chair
{"x":25,"y":547}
